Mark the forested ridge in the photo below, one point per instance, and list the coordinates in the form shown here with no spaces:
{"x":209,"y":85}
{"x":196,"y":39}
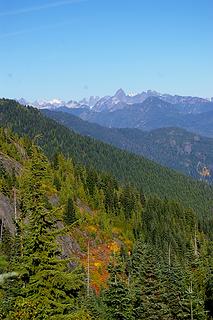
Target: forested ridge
{"x":145,"y":175}
{"x":175,"y":148}
{"x":85,"y":247}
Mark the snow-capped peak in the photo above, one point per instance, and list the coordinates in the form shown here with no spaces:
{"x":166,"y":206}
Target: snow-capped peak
{"x":48,"y":104}
{"x":132,"y":94}
{"x":112,"y":103}
{"x":56,"y":101}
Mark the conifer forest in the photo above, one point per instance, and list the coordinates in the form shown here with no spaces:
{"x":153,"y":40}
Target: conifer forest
{"x":80,"y":242}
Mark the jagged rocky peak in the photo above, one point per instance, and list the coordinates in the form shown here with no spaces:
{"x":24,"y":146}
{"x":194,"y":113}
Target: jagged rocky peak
{"x":91,"y":101}
{"x":121,"y":100}
{"x":22,"y":101}
{"x":120,"y":94}
{"x":72,"y":104}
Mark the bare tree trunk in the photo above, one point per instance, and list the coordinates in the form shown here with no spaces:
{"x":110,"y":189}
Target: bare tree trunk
{"x":1,"y":230}
{"x":15,"y":204}
{"x":191,"y":307}
{"x":18,"y":221}
{"x":195,"y":243}
{"x":88,"y":269}
{"x":21,"y":239}
{"x":169,"y":255}
{"x":128,"y":283}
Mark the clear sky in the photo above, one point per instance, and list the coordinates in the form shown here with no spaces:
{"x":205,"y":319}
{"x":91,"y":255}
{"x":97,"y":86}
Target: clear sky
{"x":71,"y":49}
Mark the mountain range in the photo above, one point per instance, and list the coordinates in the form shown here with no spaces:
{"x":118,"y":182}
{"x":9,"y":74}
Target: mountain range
{"x":111,"y":103}
{"x":151,"y":114}
{"x":147,"y":111}
{"x":120,"y":100}
{"x":58,"y":103}
{"x":174,"y":131}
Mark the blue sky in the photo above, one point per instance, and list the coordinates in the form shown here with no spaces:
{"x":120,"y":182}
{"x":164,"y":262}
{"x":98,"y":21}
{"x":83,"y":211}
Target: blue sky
{"x":74,"y":49}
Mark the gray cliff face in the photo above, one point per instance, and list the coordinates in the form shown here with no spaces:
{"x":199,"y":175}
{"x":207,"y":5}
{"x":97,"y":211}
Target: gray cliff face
{"x":7,"y":214}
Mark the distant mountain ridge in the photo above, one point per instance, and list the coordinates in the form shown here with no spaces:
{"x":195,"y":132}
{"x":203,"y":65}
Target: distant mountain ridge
{"x":153,"y":113}
{"x":147,"y":111}
{"x":111,"y":103}
{"x":52,"y":104}
{"x":172,"y":147}
{"x":120,"y":100}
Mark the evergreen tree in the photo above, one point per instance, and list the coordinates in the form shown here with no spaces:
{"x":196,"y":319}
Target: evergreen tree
{"x":57,"y":183}
{"x":47,"y":288}
{"x":117,"y":298}
{"x":128,"y":200}
{"x":146,"y":285}
{"x":173,"y":288}
{"x":96,"y":306}
{"x":70,"y":213}
{"x":209,"y":296}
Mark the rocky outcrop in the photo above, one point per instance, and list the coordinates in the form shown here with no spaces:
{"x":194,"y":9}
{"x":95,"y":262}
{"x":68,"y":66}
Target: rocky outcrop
{"x":10,"y":164}
{"x":7,"y":213}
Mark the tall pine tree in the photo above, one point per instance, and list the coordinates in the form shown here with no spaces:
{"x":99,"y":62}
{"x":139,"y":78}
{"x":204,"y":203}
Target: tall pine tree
{"x":48,"y":289}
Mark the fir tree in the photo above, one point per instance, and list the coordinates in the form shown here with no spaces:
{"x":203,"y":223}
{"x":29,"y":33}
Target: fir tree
{"x":146,"y":285}
{"x":47,"y":288}
{"x":70,"y":213}
{"x":117,"y":298}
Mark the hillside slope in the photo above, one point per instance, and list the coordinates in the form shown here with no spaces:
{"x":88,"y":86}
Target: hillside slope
{"x":77,"y":233}
{"x":138,"y":171}
{"x":172,"y":147}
